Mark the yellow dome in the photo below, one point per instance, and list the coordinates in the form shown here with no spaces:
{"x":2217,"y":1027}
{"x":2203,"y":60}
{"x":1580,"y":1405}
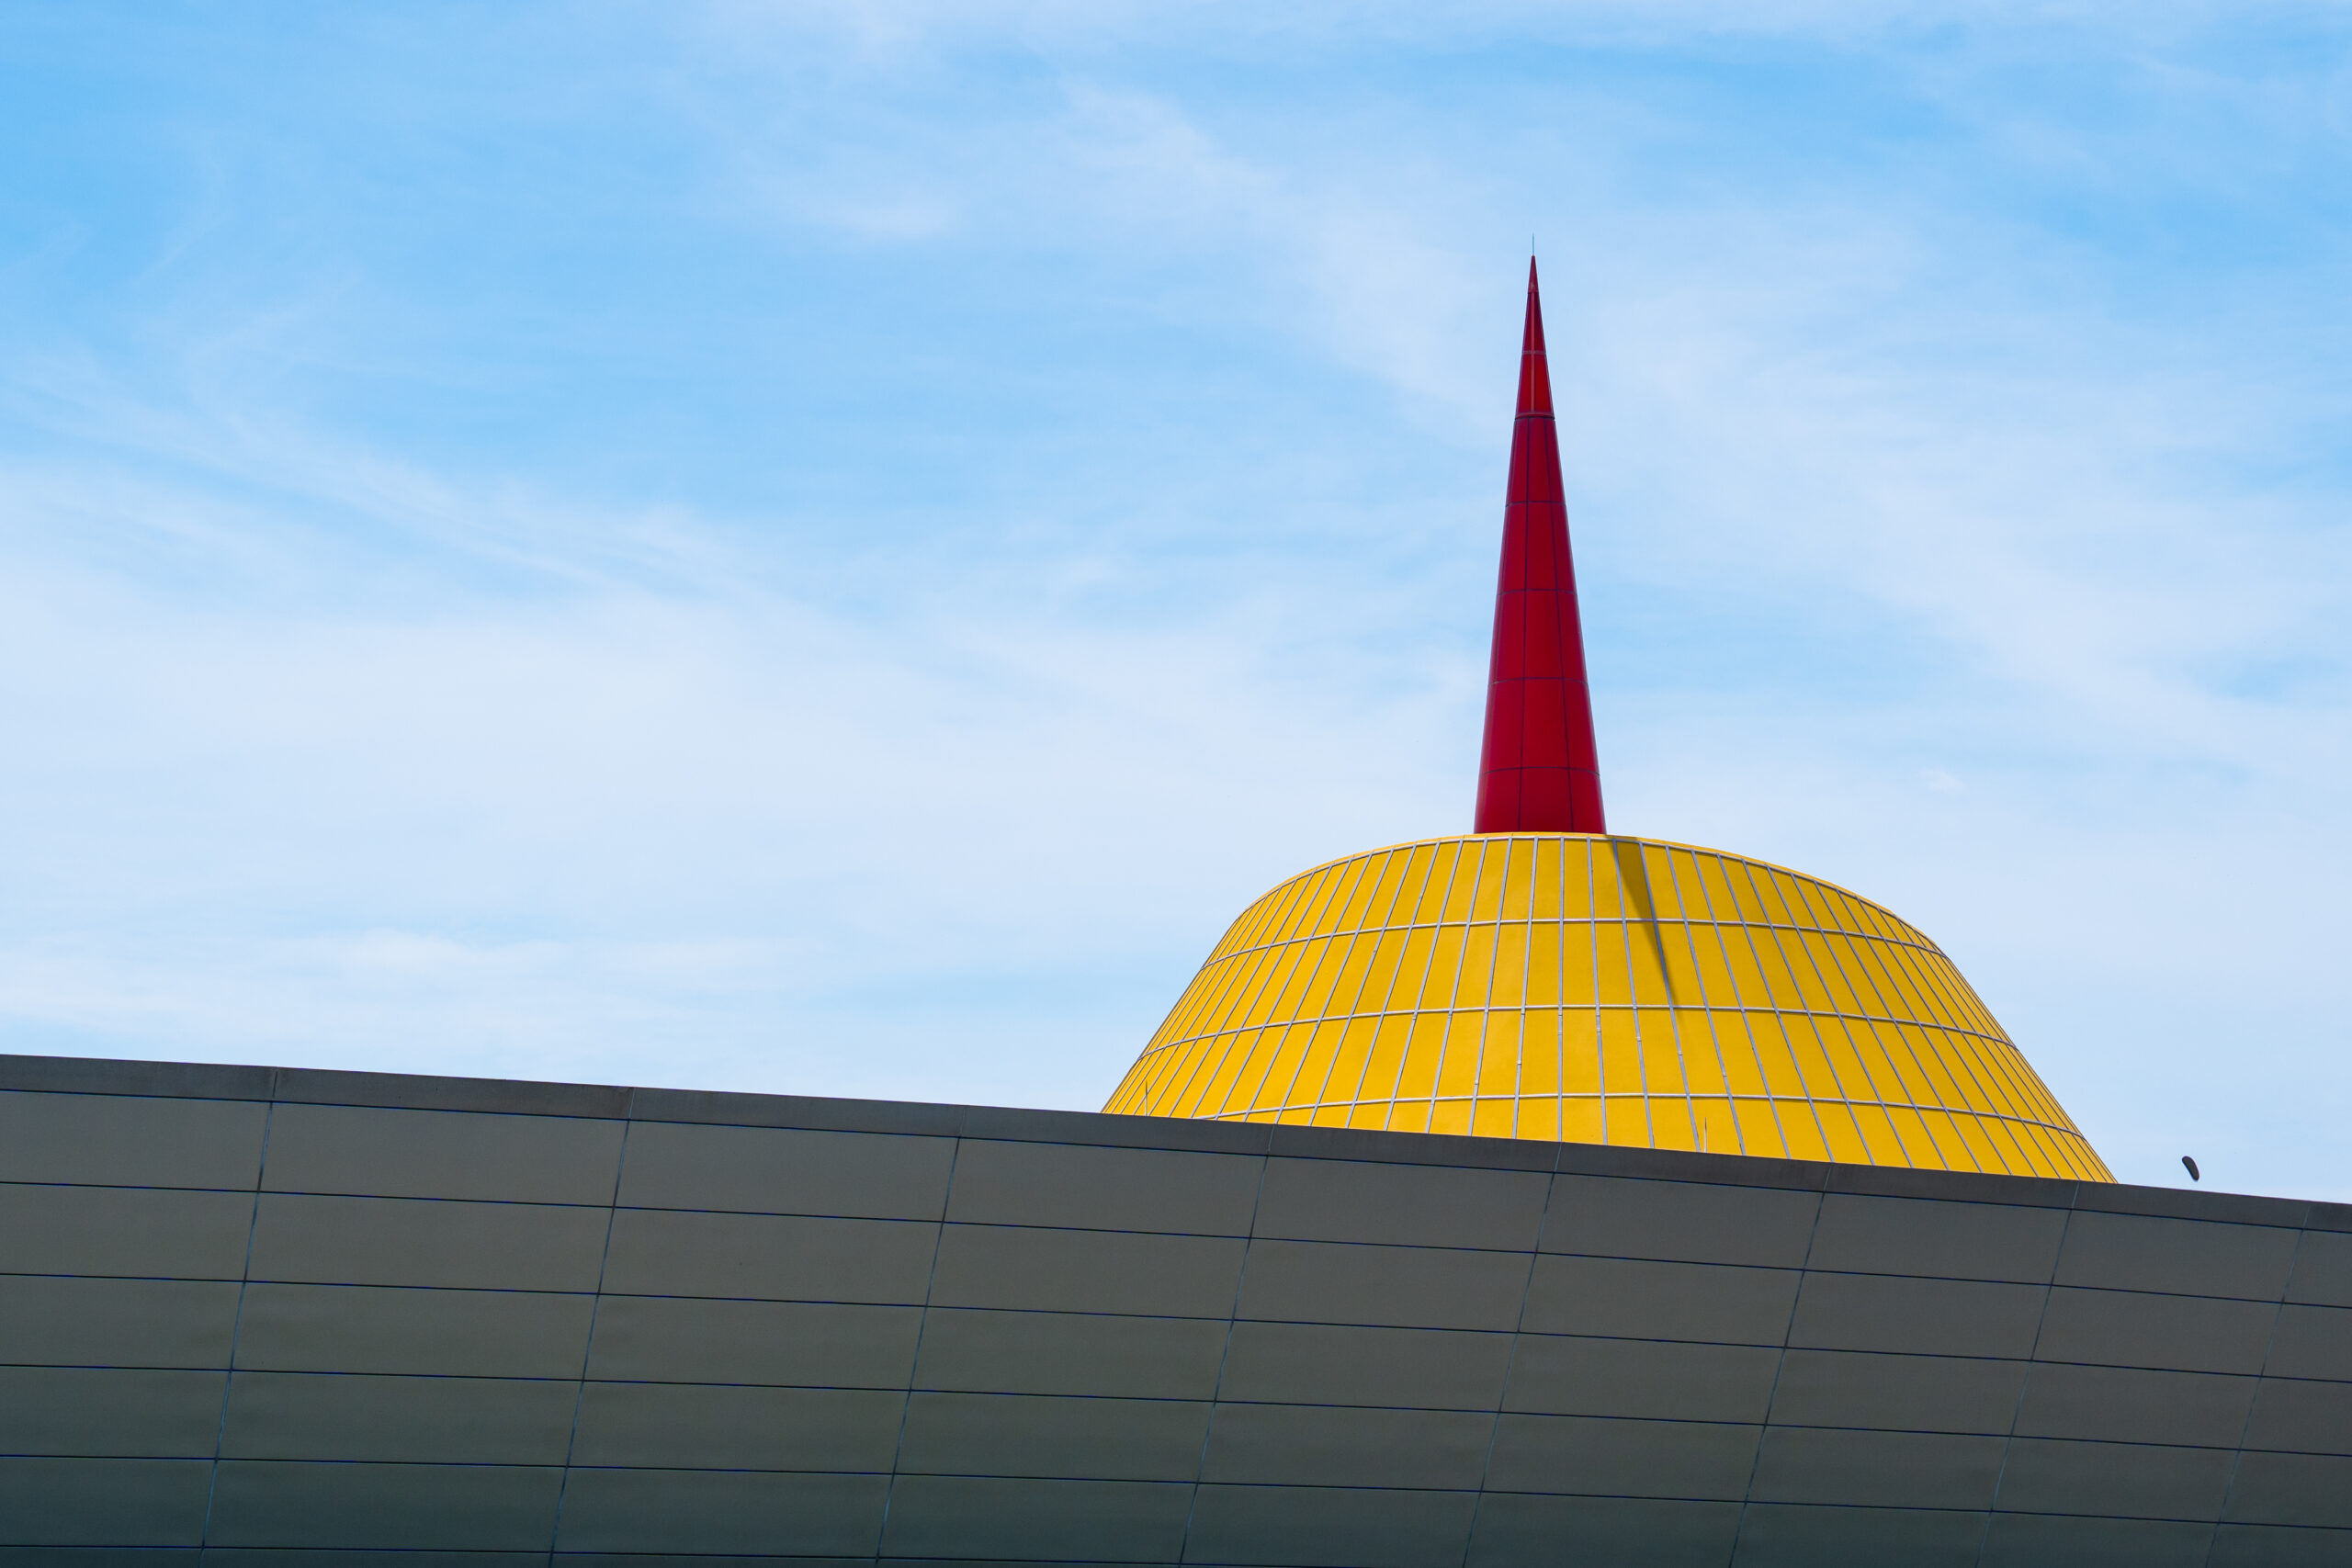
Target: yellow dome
{"x":1608,"y":990}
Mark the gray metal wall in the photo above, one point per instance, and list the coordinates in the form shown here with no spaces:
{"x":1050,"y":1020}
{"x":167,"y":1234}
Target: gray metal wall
{"x":250,"y":1310}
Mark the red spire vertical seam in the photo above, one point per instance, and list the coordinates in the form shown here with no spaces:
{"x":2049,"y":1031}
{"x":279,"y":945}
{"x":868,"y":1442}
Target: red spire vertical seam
{"x":1538,"y":772}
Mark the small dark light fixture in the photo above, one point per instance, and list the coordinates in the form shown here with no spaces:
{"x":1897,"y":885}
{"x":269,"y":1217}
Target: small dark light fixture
{"x":2192,"y":1168}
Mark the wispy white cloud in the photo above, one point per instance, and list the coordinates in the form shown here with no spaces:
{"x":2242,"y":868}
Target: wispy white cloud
{"x":1959,"y":519}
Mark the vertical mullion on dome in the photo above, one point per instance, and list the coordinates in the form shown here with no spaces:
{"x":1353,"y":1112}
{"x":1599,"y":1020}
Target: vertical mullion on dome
{"x":1266,"y":1000}
{"x":1330,"y":949}
{"x":2013,"y":1102}
{"x":1374,"y":1019}
{"x":1212,"y":1041}
{"x":1632,"y":999}
{"x":1431,"y":915}
{"x":1348,"y":1009}
{"x":1560,"y":990}
{"x":1232,"y":1021}
{"x":1332,"y":1012}
{"x":1592,"y":951}
{"x":1798,"y":894}
{"x":1706,"y":1009}
{"x":1398,"y":978}
{"x":1453,"y":993}
{"x":1795,"y":1011}
{"x":1706,"y":1018}
{"x":1527,"y":969}
{"x":1405,"y":982}
{"x":1863,"y":983}
{"x":1486,"y":992}
{"x":1962,"y":1070}
{"x":1730,"y":927}
{"x":1745,"y":931}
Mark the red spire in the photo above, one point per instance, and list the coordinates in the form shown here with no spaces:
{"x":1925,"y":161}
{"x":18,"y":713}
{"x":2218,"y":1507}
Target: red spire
{"x":1538,"y":772}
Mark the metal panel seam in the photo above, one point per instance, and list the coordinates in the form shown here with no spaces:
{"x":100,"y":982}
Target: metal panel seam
{"x":929,"y":1286}
{"x":2237,"y":1454}
{"x":1511,"y":1361}
{"x":588,"y":1346}
{"x":2016,"y":1411}
{"x":1772,"y":1397}
{"x":1224,"y":1353}
{"x":236,"y":1324}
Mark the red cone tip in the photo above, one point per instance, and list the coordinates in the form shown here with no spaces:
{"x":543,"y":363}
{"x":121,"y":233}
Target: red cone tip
{"x":1538,"y":772}
{"x":1534,"y":379}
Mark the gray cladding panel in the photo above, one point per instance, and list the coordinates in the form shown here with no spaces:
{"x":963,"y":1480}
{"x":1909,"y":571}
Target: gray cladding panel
{"x":1587,"y":1455}
{"x":2312,"y":1342}
{"x":2126,"y":1329}
{"x":1877,"y":1470}
{"x":59,"y":1321}
{"x":1116,"y":1522}
{"x":1057,"y":1271}
{"x":2139,"y":1252}
{"x":1530,"y":1530}
{"x":1679,"y":1221}
{"x":1320,"y":1337}
{"x":102,"y":1502}
{"x":2045,"y":1475}
{"x":769,"y":1171}
{"x":125,"y":1231}
{"x":408,"y":1241}
{"x":1289,"y":1445}
{"x":1098,"y":1188}
{"x":2293,"y":1489}
{"x":1896,"y":1393}
{"x":687,"y":1511}
{"x":1950,"y":1241}
{"x":1801,"y":1535}
{"x":719,"y":1426}
{"x":108,"y":1411}
{"x":980,"y":1351}
{"x":815,"y":1344}
{"x":1303,"y":1526}
{"x":1302,"y":1363}
{"x":331,"y":1328}
{"x":112,"y":1140}
{"x":2279,"y":1546}
{"x":1359,"y":1200}
{"x":450,"y":1420}
{"x":2134,"y":1405}
{"x":2298,"y":1416}
{"x":1091,"y":1438}
{"x":1399,"y":1286}
{"x":442,"y":1154}
{"x":1620,"y":1299}
{"x":413,"y":1091}
{"x":2054,"y":1541}
{"x":770,"y":1258}
{"x":2324,"y":1270}
{"x":362,"y":1557}
{"x":1920,"y":1317}
{"x":445,"y":1507}
{"x":1559,"y":1375}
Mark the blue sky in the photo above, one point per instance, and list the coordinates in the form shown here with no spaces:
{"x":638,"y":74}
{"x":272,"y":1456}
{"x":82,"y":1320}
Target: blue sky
{"x":831,"y":550}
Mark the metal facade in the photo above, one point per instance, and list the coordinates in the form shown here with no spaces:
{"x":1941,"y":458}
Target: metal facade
{"x":1604,"y":990}
{"x":283,"y":1316}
